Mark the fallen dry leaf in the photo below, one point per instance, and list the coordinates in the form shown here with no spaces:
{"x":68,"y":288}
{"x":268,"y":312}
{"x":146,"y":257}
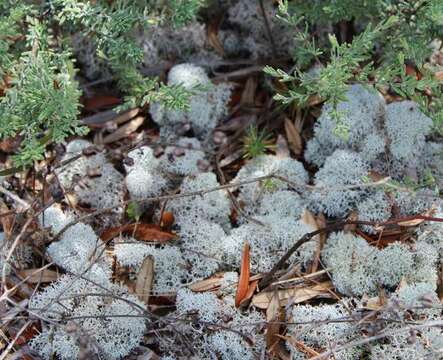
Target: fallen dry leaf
{"x":415,"y":222}
{"x":143,"y":232}
{"x":248,"y":94}
{"x":38,"y":276}
{"x":251,"y":290}
{"x":124,"y":131}
{"x":300,"y":346}
{"x":321,"y":224}
{"x":245,"y":273}
{"x":294,"y":139}
{"x":273,"y":318}
{"x":210,"y":284}
{"x":237,"y":123}
{"x":167,"y":220}
{"x":308,"y":218}
{"x":10,"y":144}
{"x":314,"y":100}
{"x":297,"y":294}
{"x":213,"y":39}
{"x":282,"y":150}
{"x":100,"y":101}
{"x":8,"y":220}
{"x":374,"y":303}
{"x":103,"y":118}
{"x":27,"y":334}
{"x":145,"y":279}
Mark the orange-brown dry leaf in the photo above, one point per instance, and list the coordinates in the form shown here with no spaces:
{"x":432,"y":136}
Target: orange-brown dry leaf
{"x":411,"y":71}
{"x":251,"y":290}
{"x":294,"y":139}
{"x":245,"y":274}
{"x":31,"y":330}
{"x":100,"y":101}
{"x":167,"y":220}
{"x":10,"y":144}
{"x":143,"y":232}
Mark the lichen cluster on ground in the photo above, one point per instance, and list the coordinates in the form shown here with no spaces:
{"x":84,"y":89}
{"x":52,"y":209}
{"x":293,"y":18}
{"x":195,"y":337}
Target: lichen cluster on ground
{"x":146,"y":239}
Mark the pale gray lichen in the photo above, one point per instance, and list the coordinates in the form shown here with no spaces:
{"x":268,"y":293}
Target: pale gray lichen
{"x":170,"y":266}
{"x":284,"y":203}
{"x":291,"y":170}
{"x":415,"y":202}
{"x":341,"y":169}
{"x":407,"y":128}
{"x":323,"y":328}
{"x":376,"y":208}
{"x":186,"y":157}
{"x":213,"y":206}
{"x":108,"y":317}
{"x":351,"y":260}
{"x":267,"y":243}
{"x":21,"y":257}
{"x":162,"y":43}
{"x":420,"y":303}
{"x":202,"y":246}
{"x":144,"y":179}
{"x":390,"y":138}
{"x":250,"y":34}
{"x":361,"y":113}
{"x":92,"y":179}
{"x":206,"y":106}
{"x":222,"y":342}
{"x":79,"y":250}
{"x":358,"y":268}
{"x":392,"y":264}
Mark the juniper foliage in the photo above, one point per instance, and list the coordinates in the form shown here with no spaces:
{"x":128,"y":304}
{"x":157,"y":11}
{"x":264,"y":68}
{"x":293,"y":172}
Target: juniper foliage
{"x":395,"y":36}
{"x":39,"y":94}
